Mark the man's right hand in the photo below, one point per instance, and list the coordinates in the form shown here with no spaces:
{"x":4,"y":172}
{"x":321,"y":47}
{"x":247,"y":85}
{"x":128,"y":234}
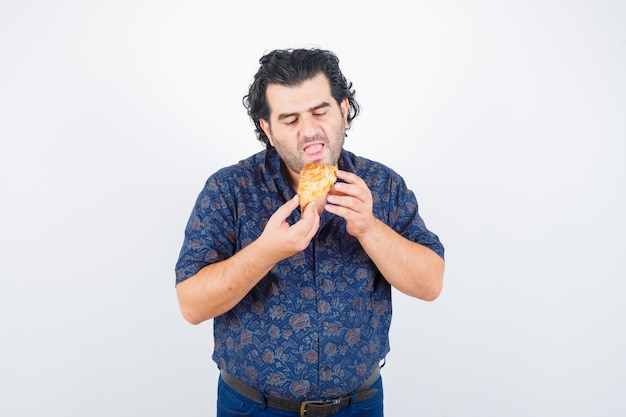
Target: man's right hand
{"x":281,"y":240}
{"x":218,"y":287}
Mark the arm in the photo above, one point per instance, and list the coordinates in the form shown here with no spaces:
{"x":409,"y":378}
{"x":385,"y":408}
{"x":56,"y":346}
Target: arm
{"x":218,"y":287}
{"x":410,"y":267}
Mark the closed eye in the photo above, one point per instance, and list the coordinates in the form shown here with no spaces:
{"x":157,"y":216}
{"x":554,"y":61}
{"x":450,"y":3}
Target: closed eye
{"x":320,"y":109}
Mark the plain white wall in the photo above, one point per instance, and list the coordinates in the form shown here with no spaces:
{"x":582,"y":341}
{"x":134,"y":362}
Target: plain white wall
{"x":505,"y":117}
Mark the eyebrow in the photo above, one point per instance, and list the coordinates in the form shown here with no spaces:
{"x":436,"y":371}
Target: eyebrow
{"x":312,"y":109}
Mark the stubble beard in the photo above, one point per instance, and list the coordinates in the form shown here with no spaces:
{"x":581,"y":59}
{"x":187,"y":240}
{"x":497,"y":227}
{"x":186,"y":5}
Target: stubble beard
{"x":294,"y":160}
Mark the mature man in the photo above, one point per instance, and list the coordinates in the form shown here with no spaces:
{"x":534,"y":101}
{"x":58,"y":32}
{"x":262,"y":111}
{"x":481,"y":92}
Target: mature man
{"x":301,"y":298}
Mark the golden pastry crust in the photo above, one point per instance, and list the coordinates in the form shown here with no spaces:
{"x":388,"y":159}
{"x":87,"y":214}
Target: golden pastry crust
{"x":316,"y":180}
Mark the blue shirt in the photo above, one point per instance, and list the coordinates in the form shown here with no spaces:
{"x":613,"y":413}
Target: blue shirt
{"x":317,"y":324}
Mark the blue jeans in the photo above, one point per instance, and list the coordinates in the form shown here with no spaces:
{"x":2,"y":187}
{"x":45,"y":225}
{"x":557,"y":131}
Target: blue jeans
{"x":232,"y":404}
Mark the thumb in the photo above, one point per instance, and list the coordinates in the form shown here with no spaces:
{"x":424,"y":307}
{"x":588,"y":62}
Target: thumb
{"x":286,"y":209}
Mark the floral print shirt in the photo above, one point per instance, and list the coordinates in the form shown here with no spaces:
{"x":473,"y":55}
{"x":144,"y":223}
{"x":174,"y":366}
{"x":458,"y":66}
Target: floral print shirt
{"x":316,"y":326}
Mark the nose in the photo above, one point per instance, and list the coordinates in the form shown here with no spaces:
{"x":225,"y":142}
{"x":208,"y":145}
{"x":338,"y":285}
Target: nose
{"x":309,"y":127}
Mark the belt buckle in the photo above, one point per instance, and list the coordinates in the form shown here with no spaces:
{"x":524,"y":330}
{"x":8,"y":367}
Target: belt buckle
{"x":305,"y":404}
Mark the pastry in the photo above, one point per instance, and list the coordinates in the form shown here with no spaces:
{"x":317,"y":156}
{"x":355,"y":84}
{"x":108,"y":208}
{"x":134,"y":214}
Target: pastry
{"x":316,"y":180}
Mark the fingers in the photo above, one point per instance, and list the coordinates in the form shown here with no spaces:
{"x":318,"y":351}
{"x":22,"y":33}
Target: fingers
{"x":353,"y":186}
{"x":344,"y":205}
{"x":286,"y":209}
{"x":309,"y":222}
{"x":298,"y":236}
{"x":352,"y":200}
{"x":352,"y":193}
{"x":279,"y":218}
{"x":280,"y":239}
{"x":348,"y":176}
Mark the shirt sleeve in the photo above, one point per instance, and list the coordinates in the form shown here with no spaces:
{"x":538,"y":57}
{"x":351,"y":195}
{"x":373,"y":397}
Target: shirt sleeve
{"x":404,"y":217}
{"x":209,"y":234}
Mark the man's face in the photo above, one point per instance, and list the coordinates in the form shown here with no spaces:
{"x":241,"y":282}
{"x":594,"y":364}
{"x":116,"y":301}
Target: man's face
{"x":306,"y":124}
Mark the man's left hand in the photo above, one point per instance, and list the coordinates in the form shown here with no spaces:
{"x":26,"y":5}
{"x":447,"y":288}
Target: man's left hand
{"x":353,"y":201}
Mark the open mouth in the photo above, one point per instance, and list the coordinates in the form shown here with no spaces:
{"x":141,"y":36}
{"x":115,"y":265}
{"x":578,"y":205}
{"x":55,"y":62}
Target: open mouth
{"x":314,"y":149}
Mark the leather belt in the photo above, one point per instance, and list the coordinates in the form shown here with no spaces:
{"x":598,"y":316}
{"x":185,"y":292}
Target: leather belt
{"x":315,"y":408}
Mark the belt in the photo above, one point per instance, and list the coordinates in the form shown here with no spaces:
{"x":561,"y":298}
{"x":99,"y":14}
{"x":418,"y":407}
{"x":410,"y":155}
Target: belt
{"x":315,"y":408}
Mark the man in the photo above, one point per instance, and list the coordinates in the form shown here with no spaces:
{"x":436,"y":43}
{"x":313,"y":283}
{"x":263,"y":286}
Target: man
{"x":301,"y":298}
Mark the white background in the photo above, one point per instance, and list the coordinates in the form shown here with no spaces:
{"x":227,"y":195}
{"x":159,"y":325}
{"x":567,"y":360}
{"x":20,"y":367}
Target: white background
{"x":507,"y":118}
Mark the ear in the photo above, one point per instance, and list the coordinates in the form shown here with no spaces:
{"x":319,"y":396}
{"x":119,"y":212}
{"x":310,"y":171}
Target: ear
{"x":267,"y":129}
{"x":345,"y":105}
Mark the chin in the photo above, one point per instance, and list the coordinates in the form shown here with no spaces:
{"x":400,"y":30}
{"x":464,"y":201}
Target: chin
{"x":323,"y":159}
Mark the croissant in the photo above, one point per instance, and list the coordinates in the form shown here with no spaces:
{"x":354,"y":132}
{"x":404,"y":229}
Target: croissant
{"x":316,"y":180}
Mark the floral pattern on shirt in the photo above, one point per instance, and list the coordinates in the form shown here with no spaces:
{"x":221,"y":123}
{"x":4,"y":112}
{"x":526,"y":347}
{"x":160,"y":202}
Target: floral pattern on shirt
{"x":317,"y":324}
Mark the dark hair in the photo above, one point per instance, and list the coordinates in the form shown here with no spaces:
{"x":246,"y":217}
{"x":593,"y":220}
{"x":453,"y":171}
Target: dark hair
{"x":291,"y":67}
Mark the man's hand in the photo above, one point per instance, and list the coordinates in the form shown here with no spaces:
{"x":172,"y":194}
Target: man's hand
{"x":218,"y":287}
{"x":281,"y":240}
{"x":352,"y":200}
{"x":410,"y":267}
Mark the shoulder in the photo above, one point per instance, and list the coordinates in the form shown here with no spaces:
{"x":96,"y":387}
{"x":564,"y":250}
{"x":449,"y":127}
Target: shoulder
{"x":249,"y":166}
{"x":241,"y":174}
{"x":251,"y":182}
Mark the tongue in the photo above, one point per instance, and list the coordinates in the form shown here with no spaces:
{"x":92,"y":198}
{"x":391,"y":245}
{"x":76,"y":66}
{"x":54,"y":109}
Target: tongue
{"x":313,"y":149}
